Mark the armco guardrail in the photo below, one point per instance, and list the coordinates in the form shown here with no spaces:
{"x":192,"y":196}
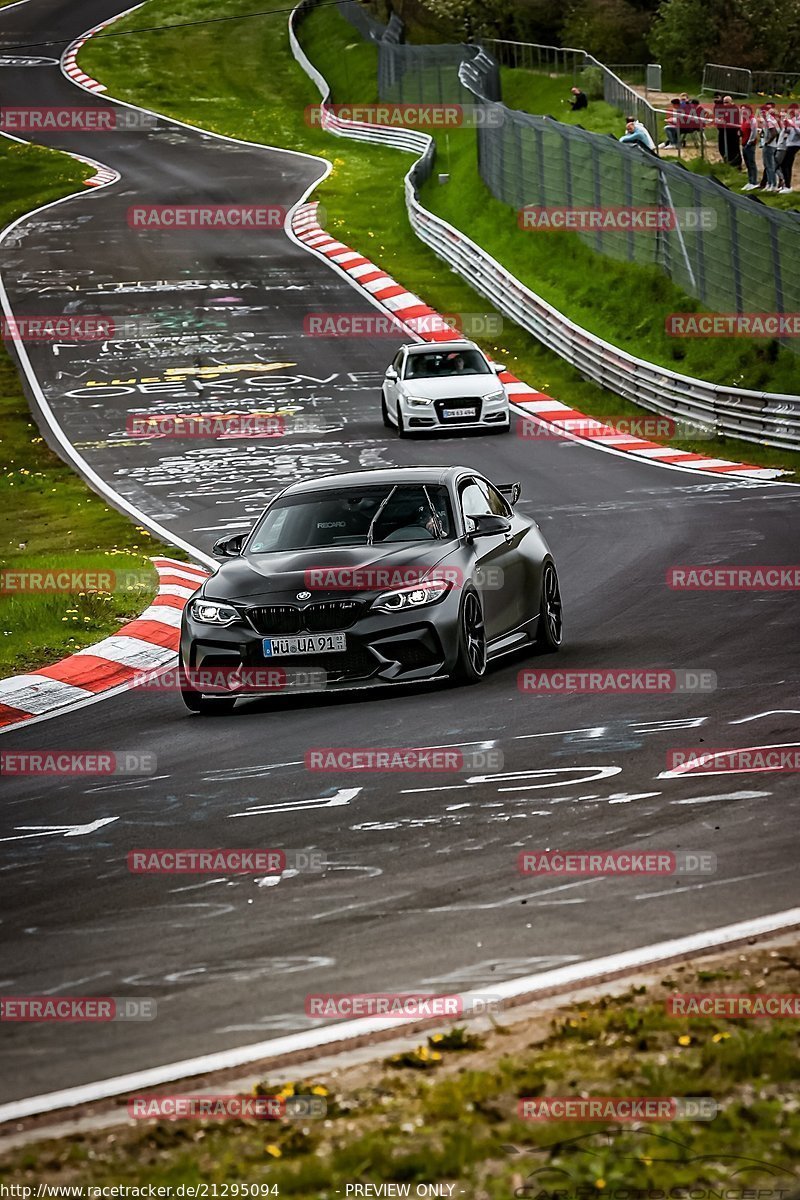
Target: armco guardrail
{"x":763,"y":417}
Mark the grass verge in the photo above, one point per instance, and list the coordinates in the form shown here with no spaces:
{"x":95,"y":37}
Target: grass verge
{"x":447,"y":1113}
{"x":49,"y":519}
{"x":213,"y":76}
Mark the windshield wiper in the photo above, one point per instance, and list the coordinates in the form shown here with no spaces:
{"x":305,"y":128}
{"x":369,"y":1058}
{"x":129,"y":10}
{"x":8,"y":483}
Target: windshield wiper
{"x":381,"y":507}
{"x":436,"y":518}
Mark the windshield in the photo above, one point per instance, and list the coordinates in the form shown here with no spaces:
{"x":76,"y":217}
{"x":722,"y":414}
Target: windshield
{"x":443,"y":364}
{"x":355,"y":517}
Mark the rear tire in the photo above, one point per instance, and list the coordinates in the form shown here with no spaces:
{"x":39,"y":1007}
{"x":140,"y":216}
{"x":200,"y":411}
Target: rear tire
{"x":385,"y":413}
{"x":550,"y":626}
{"x":471,"y":663}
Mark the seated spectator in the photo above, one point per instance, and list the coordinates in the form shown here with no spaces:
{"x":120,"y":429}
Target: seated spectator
{"x":673,"y":126}
{"x":698,"y":117}
{"x":636,"y":134}
{"x":579,"y":99}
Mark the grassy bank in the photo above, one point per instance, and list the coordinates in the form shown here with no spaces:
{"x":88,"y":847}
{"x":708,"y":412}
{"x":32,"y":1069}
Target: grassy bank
{"x":49,"y":520}
{"x":447,"y":1113}
{"x":214,"y":76}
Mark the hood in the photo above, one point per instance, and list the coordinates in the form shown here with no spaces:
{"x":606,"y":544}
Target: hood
{"x":284,"y":574}
{"x":452,"y":387}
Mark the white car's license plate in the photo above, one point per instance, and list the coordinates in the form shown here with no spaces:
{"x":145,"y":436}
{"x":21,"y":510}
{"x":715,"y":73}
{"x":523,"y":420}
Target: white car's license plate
{"x":304,"y":643}
{"x":458,"y":412}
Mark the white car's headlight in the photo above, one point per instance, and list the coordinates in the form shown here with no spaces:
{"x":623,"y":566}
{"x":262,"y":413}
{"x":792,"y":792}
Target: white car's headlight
{"x":418,"y":400}
{"x":209,"y":612}
{"x":493,"y":397}
{"x":414,"y":596}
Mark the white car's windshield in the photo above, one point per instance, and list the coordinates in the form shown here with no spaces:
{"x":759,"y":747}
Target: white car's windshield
{"x":355,"y":517}
{"x":444,"y":364}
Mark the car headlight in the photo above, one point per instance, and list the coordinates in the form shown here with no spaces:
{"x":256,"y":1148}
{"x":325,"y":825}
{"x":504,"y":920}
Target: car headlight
{"x":494,"y":396}
{"x":413,"y":596}
{"x":209,"y":612}
{"x":419,"y":400}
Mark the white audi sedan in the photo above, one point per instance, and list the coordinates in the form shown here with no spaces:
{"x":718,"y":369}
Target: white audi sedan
{"x":433,"y":386}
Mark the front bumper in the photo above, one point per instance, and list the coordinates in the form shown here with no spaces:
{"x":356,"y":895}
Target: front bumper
{"x":432,"y":416}
{"x":381,"y":649}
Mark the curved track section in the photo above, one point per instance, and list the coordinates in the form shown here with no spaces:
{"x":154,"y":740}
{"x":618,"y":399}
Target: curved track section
{"x":421,"y":889}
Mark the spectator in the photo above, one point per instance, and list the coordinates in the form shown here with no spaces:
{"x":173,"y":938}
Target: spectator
{"x":731,"y":133}
{"x":636,"y":134}
{"x":717,"y":117}
{"x":768,"y":140}
{"x":780,"y":149}
{"x":749,"y":133}
{"x":791,"y":147}
{"x":698,"y":117}
{"x":685,"y":103}
{"x":579,"y":99}
{"x":673,"y":126}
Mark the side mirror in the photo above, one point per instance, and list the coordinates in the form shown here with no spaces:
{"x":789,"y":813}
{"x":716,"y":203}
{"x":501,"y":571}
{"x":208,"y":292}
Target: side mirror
{"x":391,"y":373}
{"x":512,"y":491}
{"x":229,"y":547}
{"x":498,"y":368}
{"x":487,"y":526}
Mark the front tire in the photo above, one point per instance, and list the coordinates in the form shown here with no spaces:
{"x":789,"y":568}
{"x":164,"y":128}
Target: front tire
{"x":471,"y":662}
{"x":550,"y":626}
{"x":401,"y":428}
{"x":385,"y":413}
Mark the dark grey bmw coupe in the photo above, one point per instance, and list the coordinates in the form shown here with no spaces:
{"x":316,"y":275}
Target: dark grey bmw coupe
{"x":367,"y":579}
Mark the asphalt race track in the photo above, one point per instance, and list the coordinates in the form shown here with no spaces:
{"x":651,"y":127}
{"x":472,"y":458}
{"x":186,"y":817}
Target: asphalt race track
{"x":421,"y":890}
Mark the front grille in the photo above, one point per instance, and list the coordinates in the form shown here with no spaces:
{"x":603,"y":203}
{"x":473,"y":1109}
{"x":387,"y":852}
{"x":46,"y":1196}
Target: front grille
{"x":331,"y":614}
{"x":275,"y":618}
{"x":472,"y":402}
{"x":323,"y":617}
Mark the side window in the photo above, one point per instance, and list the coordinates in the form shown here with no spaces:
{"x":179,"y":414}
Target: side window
{"x":397,"y":362}
{"x":498,"y":505}
{"x":474,"y":503}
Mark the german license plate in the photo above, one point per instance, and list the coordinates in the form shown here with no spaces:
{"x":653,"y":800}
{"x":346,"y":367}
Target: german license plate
{"x":307,"y":643}
{"x":458,"y":412}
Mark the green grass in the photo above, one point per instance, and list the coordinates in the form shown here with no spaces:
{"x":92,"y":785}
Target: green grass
{"x":447,"y":1111}
{"x":49,"y":519}
{"x":213,"y":76}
